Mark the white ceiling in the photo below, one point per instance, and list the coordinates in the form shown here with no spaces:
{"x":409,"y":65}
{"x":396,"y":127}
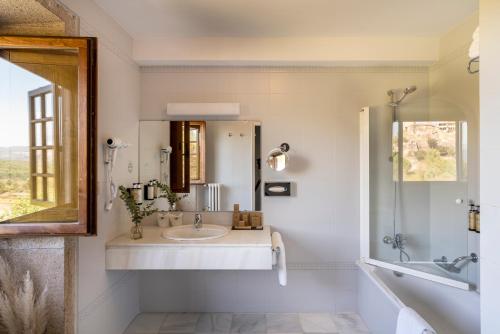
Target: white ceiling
{"x":291,"y":18}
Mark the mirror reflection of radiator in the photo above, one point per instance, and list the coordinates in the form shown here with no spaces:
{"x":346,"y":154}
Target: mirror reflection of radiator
{"x":214,"y":194}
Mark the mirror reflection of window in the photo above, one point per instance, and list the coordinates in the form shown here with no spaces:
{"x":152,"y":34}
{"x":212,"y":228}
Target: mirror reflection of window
{"x":429,"y":151}
{"x":197,"y":152}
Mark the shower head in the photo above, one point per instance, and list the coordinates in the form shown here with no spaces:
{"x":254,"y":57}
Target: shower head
{"x":406,"y":92}
{"x":410,"y":90}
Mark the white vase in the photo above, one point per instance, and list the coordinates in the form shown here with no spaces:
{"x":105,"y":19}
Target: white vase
{"x":175,"y":218}
{"x":163,"y":219}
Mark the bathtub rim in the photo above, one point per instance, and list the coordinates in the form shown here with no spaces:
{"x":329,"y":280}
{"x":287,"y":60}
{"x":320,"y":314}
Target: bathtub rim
{"x":417,"y":273}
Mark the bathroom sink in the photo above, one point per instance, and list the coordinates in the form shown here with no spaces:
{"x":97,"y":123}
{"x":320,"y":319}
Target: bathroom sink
{"x":189,"y":233}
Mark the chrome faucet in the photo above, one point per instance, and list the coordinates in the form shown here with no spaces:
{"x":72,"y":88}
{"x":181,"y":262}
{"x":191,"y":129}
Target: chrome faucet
{"x":198,"y":222}
{"x":453,"y":267}
{"x":398,"y":242}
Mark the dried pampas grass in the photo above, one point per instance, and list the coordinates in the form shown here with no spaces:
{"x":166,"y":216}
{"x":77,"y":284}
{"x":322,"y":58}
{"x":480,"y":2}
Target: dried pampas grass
{"x":21,"y":311}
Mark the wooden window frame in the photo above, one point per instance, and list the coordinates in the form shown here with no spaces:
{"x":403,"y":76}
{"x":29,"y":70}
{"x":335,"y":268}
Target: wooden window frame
{"x":87,"y":136}
{"x":179,"y":158}
{"x":42,"y":93}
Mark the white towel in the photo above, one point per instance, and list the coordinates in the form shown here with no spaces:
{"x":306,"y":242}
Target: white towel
{"x":474,"y":48}
{"x":410,"y":322}
{"x":279,"y":257}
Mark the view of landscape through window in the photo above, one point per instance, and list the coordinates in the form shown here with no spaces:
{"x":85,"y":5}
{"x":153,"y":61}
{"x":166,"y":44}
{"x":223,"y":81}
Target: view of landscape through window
{"x":429,"y":151}
{"x":15,"y":189}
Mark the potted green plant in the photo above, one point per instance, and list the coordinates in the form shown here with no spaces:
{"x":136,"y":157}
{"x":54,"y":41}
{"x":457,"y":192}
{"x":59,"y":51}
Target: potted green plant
{"x":137,"y":212}
{"x":172,"y":198}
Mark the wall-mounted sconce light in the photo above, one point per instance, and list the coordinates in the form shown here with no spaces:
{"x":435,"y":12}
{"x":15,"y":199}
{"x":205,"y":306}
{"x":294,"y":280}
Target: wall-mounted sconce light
{"x":111,"y":148}
{"x":278,"y":159}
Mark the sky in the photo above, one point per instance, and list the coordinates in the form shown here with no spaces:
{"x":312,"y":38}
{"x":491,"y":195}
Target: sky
{"x":15,"y":83}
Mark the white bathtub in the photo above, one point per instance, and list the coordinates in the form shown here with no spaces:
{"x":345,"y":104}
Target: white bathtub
{"x":381,"y":295}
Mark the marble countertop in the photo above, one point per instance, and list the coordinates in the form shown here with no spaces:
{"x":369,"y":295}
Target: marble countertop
{"x":152,"y":238}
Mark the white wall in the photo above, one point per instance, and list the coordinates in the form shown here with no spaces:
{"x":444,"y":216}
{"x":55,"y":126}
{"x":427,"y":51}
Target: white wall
{"x":316,"y":111}
{"x":153,"y":137}
{"x":107,"y":301}
{"x":490,"y":165}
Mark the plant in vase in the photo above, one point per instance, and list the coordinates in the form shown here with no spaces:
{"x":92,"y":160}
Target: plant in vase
{"x":137,"y":212}
{"x":172,"y":198}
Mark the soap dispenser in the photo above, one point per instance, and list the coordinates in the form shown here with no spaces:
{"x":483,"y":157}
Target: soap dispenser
{"x":478,"y":220}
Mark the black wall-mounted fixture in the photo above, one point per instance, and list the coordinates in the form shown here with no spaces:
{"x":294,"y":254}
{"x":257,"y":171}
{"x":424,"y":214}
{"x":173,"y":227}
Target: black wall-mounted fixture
{"x":277,"y":188}
{"x":284,"y":147}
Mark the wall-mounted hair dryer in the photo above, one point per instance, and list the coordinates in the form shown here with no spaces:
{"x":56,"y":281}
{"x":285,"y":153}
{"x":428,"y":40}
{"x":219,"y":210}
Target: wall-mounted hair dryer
{"x":111,"y":147}
{"x":115,"y":142}
{"x":165,"y":164}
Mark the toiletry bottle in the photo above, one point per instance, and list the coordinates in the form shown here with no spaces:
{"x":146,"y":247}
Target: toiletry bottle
{"x":478,"y":219}
{"x":236,"y":215}
{"x":145,"y":192}
{"x":137,"y":193}
{"x":472,"y":217}
{"x":152,"y":187}
{"x":134,"y":192}
{"x":140,"y":189}
{"x":156,"y":189}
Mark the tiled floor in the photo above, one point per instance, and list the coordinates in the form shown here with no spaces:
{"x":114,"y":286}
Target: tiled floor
{"x":272,"y":323}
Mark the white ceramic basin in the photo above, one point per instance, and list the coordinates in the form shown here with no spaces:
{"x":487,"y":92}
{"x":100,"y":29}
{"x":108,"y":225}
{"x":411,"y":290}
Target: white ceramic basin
{"x":189,"y":233}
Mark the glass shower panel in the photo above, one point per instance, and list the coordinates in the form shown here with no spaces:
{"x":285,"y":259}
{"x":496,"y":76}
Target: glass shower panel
{"x":418,"y":193}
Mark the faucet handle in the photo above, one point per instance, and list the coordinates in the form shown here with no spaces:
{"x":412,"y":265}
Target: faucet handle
{"x":474,"y":258}
{"x":197,"y":221}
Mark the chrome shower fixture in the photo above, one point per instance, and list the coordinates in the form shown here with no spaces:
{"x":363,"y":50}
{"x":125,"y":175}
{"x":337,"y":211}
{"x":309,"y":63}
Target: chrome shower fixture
{"x":397,"y":242}
{"x":396,"y":102}
{"x":457,"y":264}
{"x":410,"y":89}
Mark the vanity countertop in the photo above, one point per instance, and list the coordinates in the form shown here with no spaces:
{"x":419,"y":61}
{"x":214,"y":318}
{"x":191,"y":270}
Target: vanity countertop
{"x":152,"y":238}
{"x":237,"y":250}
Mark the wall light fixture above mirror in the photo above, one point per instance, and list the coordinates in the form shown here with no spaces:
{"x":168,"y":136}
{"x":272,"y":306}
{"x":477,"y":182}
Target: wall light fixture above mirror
{"x":203,"y":109}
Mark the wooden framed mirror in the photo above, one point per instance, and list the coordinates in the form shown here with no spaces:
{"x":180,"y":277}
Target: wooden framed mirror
{"x":48,"y":135}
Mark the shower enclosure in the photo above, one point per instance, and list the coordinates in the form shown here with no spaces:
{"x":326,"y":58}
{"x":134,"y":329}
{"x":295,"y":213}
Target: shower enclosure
{"x":414,"y":190}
